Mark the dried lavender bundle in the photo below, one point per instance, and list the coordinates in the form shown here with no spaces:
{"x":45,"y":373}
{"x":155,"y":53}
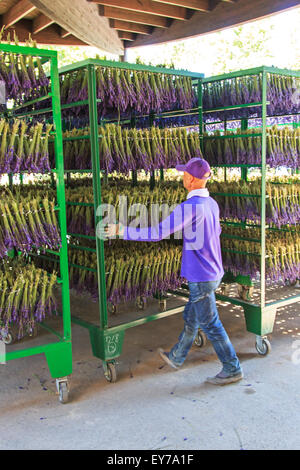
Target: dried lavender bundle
{"x":26,"y":296}
{"x":283,"y":147}
{"x":282,"y":203}
{"x":131,"y":271}
{"x":124,"y":149}
{"x":246,"y":90}
{"x":28,"y":220}
{"x":282,"y":250}
{"x":18,"y":72}
{"x":123,"y":92}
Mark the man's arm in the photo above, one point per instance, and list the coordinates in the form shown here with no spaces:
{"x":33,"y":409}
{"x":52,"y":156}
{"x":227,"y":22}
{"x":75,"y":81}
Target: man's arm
{"x":174,"y":222}
{"x":180,"y":218}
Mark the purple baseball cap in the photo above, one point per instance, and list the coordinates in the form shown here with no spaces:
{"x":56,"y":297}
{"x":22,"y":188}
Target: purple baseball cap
{"x":196,"y":167}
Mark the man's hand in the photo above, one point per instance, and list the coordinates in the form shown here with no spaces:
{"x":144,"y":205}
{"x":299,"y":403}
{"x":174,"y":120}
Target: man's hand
{"x":111,"y":231}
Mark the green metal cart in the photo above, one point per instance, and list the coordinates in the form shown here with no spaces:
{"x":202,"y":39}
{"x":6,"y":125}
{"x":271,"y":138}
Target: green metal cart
{"x":59,"y":351}
{"x":107,"y":342}
{"x":260,"y":317}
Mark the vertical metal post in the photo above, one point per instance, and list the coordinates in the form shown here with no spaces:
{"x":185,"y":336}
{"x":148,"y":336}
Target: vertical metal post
{"x":200,"y":113}
{"x":263,"y":191}
{"x":61,"y":199}
{"x":244,"y":127}
{"x":133,"y":172}
{"x":124,"y":58}
{"x":93,"y":116}
{"x":152,"y":180}
{"x":10,"y":180}
{"x":296,"y":125}
{"x":134,"y":177}
{"x":152,"y":173}
{"x":225,"y":169}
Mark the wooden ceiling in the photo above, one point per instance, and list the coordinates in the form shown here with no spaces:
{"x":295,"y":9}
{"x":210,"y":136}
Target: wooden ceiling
{"x":113,"y":25}
{"x":146,"y":22}
{"x":23,"y":17}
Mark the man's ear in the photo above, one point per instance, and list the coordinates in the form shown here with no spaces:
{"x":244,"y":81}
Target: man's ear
{"x":192,"y":178}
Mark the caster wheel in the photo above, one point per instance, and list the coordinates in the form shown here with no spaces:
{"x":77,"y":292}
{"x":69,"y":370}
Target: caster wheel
{"x":162,"y":305}
{"x":112,"y":308}
{"x":264,"y":347}
{"x":245,"y":292}
{"x":140,"y":303}
{"x":200,"y":339}
{"x":8,"y":338}
{"x":63,"y":392}
{"x":33,"y":332}
{"x":111,"y":373}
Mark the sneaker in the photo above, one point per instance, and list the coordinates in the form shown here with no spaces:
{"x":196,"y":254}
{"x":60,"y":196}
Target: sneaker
{"x":223,"y":379}
{"x":165,"y":357}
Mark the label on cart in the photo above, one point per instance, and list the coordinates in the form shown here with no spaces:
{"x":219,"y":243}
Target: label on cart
{"x":112,"y":343}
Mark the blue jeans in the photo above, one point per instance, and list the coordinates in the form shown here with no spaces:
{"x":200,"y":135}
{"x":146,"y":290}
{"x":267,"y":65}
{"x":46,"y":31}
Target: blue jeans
{"x":201,"y":312}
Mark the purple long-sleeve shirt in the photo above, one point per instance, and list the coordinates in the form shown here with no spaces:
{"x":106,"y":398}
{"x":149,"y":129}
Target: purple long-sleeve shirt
{"x":197,"y":219}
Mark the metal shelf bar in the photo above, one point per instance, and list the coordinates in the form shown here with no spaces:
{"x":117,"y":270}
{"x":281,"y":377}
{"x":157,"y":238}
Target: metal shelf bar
{"x":127,"y":66}
{"x":238,"y":106}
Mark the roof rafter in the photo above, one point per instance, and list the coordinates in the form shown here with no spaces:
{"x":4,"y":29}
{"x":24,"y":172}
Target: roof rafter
{"x":134,"y":17}
{"x":64,"y":33}
{"x":130,"y":27}
{"x":200,"y":5}
{"x":48,"y":36}
{"x":125,"y":35}
{"x":40,"y":23}
{"x":17,"y":13}
{"x":147,"y":6}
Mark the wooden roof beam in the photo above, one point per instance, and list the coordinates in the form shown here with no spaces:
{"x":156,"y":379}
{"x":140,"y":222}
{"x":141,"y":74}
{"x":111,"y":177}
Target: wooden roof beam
{"x":40,"y":23}
{"x":64,"y":33}
{"x":200,"y":5}
{"x":17,"y":13}
{"x":134,"y":17}
{"x":126,"y":35}
{"x":147,"y":6}
{"x":47,"y":36}
{"x":82,"y":20}
{"x":130,"y":27}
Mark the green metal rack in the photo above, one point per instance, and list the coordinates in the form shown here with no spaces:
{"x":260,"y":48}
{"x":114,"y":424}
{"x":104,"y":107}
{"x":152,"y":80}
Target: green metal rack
{"x":107,"y":342}
{"x":259,"y":317}
{"x":59,"y":351}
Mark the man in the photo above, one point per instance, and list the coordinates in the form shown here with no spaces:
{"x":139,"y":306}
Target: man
{"x":201,"y":266}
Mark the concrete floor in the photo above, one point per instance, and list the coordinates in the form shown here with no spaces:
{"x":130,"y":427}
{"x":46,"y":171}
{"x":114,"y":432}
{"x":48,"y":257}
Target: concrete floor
{"x":153,"y":407}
